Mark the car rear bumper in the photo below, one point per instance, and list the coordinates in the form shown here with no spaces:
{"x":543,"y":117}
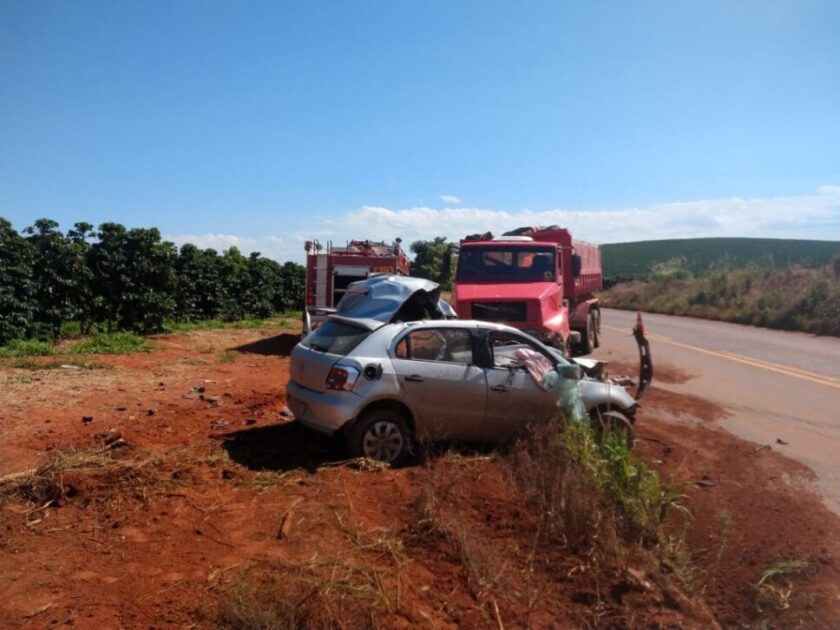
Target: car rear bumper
{"x":324,"y":412}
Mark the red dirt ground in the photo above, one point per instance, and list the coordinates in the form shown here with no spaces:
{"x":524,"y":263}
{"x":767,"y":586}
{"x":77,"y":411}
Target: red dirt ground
{"x":235,"y":485}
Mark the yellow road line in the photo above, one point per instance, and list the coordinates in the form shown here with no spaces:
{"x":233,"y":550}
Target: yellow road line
{"x":790,"y":368}
{"x":764,"y":365}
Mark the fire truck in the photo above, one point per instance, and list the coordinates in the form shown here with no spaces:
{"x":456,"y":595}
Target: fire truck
{"x":537,"y":279}
{"x":330,"y":269}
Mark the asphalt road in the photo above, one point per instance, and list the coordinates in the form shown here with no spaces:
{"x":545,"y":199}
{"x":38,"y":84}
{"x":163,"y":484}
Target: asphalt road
{"x":775,"y":384}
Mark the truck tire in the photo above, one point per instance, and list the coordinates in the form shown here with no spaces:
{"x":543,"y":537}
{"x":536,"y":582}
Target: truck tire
{"x":597,"y":318}
{"x":587,"y":342}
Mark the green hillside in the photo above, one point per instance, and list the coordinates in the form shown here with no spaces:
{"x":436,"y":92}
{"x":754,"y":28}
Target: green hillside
{"x":628,"y":260}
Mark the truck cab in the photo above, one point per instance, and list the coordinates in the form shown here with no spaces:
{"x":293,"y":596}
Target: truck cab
{"x":536,"y":279}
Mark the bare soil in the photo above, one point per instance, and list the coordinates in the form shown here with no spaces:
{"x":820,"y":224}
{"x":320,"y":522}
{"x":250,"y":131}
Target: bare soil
{"x":228,"y":487}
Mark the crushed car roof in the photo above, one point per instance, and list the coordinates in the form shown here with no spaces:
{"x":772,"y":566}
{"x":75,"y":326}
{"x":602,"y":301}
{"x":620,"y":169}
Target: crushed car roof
{"x":388,"y":298}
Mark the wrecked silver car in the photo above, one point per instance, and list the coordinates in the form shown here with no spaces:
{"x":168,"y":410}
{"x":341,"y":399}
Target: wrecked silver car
{"x":389,"y":368}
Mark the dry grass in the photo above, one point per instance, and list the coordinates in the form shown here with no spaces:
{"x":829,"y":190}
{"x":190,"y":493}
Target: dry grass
{"x":775,"y":587}
{"x":64,"y":474}
{"x":317,"y":594}
{"x":807,"y":300}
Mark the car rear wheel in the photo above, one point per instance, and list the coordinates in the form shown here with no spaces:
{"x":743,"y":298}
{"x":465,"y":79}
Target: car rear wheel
{"x":381,"y":434}
{"x":606,"y":422}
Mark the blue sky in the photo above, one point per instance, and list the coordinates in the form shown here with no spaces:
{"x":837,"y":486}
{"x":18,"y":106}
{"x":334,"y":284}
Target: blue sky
{"x":264,"y":123}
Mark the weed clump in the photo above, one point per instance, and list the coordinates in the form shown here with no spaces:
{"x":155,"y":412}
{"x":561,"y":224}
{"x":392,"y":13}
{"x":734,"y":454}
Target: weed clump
{"x":591,"y":493}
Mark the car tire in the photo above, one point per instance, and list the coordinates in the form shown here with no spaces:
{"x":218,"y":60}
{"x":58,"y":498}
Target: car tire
{"x":604,"y":422}
{"x":381,"y":434}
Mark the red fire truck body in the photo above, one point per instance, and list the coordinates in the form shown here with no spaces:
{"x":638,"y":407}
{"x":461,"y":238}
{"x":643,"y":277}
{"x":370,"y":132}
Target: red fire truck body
{"x":329,"y":270}
{"x":536,"y":279}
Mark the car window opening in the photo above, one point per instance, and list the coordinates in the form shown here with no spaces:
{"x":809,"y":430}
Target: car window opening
{"x":335,"y":338}
{"x":448,"y":345}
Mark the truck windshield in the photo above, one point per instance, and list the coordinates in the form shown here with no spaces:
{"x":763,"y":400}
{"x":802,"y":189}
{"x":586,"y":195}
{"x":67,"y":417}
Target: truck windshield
{"x":506,"y":263}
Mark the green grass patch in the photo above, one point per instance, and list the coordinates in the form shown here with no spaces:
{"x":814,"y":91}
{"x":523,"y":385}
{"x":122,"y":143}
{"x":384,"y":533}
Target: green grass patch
{"x":26,"y":348}
{"x":111,"y":343}
{"x":280,"y":321}
{"x":638,"y":259}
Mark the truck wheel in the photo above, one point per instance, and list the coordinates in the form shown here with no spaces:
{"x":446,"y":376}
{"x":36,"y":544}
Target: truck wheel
{"x":596,"y":314}
{"x":587,"y":343}
{"x":381,"y":434}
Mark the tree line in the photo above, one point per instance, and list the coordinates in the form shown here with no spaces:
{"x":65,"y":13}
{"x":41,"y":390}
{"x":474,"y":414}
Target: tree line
{"x":118,"y":278}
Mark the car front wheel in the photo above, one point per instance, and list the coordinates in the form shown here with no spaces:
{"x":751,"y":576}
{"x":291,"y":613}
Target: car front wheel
{"x":381,"y":434}
{"x":612,"y":421}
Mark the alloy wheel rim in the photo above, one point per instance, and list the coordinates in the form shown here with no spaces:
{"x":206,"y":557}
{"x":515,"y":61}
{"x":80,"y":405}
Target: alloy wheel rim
{"x":383,"y":441}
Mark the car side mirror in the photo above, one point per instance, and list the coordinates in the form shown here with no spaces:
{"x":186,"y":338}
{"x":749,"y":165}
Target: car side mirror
{"x":576,"y":265}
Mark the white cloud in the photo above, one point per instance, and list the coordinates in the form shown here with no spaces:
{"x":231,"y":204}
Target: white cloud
{"x":216,"y":241}
{"x":808,"y":216}
{"x":453,"y":199}
{"x":280,"y":248}
{"x":814,"y":216}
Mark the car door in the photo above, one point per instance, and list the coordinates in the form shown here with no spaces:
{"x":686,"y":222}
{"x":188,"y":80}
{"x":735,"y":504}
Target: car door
{"x":514,"y":399}
{"x":440,"y":381}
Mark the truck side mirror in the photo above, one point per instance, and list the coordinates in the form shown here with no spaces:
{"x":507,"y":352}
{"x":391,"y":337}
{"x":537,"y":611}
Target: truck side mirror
{"x":576,"y":265}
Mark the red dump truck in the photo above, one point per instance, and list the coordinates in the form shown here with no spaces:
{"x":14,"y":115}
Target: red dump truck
{"x":537,"y":279}
{"x":329,"y":270}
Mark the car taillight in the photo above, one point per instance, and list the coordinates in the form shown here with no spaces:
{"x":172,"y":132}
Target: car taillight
{"x":342,"y":378}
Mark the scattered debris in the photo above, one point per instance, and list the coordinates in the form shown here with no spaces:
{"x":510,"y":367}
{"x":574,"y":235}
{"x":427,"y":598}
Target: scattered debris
{"x":636,"y":577}
{"x":198,"y":389}
{"x":87,"y":419}
{"x":121,"y":408}
{"x":781,"y":441}
{"x":228,"y":474}
{"x":218,"y":424}
{"x":704,"y":482}
{"x":285,"y":520}
{"x":67,"y":366}
{"x":110,"y":436}
{"x":286,"y":413}
{"x":250,"y":422}
{"x":151,"y":412}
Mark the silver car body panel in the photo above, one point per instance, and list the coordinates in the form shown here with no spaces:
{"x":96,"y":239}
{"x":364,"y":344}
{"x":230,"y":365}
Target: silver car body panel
{"x":445,"y":400}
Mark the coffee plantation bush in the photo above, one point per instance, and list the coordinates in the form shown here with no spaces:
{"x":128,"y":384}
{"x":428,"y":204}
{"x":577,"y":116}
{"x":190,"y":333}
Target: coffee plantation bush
{"x":117,"y":278}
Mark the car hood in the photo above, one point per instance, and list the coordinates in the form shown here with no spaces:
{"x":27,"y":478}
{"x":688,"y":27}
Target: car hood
{"x":386,"y":299}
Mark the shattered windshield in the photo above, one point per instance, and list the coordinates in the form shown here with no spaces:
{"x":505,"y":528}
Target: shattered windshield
{"x":506,"y":263}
